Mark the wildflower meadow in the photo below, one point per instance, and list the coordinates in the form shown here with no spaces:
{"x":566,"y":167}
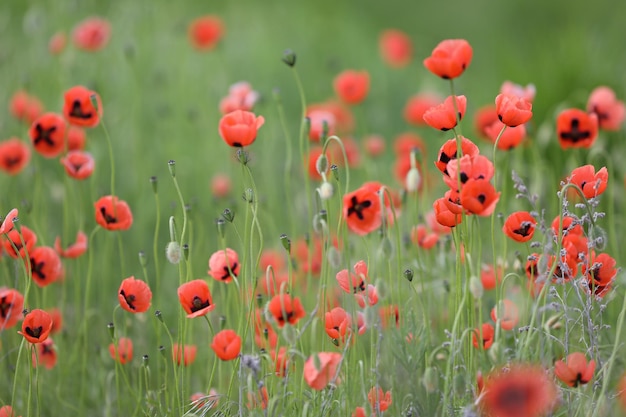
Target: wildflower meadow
{"x":354,"y":208}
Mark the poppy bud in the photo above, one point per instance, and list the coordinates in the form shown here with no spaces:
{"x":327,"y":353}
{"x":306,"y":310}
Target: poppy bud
{"x":220,"y":223}
{"x":155,"y":183}
{"x":171,"y":164}
{"x":248,"y":195}
{"x":222,"y":320}
{"x":143,"y":261}
{"x":172,"y":252}
{"x":286,"y":242}
{"x":413,"y":180}
{"x":408,"y":274}
{"x":228,"y":215}
{"x":321,"y":165}
{"x":111,"y":328}
{"x":289,"y":57}
{"x":335,"y":170}
{"x":186,"y":251}
{"x":159,"y":316}
{"x":476,"y":287}
{"x":162,"y":349}
{"x":431,"y":379}
{"x":259,"y":300}
{"x":145,"y":361}
{"x":325,"y":190}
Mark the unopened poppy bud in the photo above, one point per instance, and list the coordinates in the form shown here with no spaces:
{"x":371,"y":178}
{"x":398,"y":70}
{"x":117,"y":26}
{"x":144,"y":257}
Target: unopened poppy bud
{"x":259,"y":300}
{"x":325,"y":190}
{"x":335,"y":170}
{"x":334,"y":257}
{"x":431,"y":379}
{"x":412,"y":180}
{"x":143,"y":261}
{"x":408,"y":274}
{"x":171,"y":164}
{"x":220,"y":223}
{"x":159,"y":315}
{"x":186,"y":251}
{"x":335,"y":342}
{"x":319,"y":223}
{"x":289,"y":57}
{"x":286,"y":242}
{"x":248,"y":195}
{"x":243,"y":157}
{"x":459,"y":384}
{"x":306,"y":125}
{"x":111,"y":328}
{"x":172,"y":252}
{"x":321,"y":165}
{"x":222,"y":321}
{"x":476,"y":287}
{"x":155,"y":183}
{"x":172,"y":229}
{"x":145,"y":361}
{"x":162,"y":351}
{"x":228,"y":215}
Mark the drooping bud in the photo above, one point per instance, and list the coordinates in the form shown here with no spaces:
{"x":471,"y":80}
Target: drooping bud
{"x":289,"y":57}
{"x":286,"y":242}
{"x":408,"y":274}
{"x":171,"y":164}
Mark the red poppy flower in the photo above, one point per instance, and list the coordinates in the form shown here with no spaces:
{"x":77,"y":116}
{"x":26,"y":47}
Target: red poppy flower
{"x":490,"y":277}
{"x":570,"y":226}
{"x":45,"y":265}
{"x":113,"y":214}
{"x":450,"y":58}
{"x":75,"y":250}
{"x":224,"y":265}
{"x":520,"y":226}
{"x":239,"y":128}
{"x":379,"y":400}
{"x":13,"y":240}
{"x":309,"y":253}
{"x":134,"y":295}
{"x":264,"y":335}
{"x":319,"y":372}
{"x":6,"y":411}
{"x":19,"y":104}
{"x":47,"y":134}
{"x":259,"y":399}
{"x":208,"y":401}
{"x":444,"y":215}
{"x":599,"y":273}
{"x":417,"y":105}
{"x":57,"y":320}
{"x":610,"y":111}
{"x":14,"y":156}
{"x":78,"y":164}
{"x":226,"y":345}
{"x":527,"y":93}
{"x":36,"y":326}
{"x":486,"y":335}
{"x":353,"y":283}
{"x":574,"y":370}
{"x":79,"y":108}
{"x":576,"y":128}
{"x":507,"y":313}
{"x":396,"y":48}
{"x":281,"y":361}
{"x":590,"y":182}
{"x":485,"y":117}
{"x":387,"y":313}
{"x":359,"y":412}
{"x":337,"y":323}
{"x":513,"y":110}
{"x":446,"y":115}
{"x":362,"y":211}
{"x":476,"y":167}
{"x":374,"y":145}
{"x":76,"y":138}
{"x":352,"y":86}
{"x":205,"y":32}
{"x":57,"y":43}
{"x":92,"y":34}
{"x":185,"y":355}
{"x":46,"y":354}
{"x":196,"y":298}
{"x":273,"y":258}
{"x":448,"y":152}
{"x":240,"y":96}
{"x":123,"y":351}
{"x":11,"y":306}
{"x":479,"y":197}
{"x":518,"y":391}
{"x":284,"y":309}
{"x":423,"y":238}
{"x":7,"y":223}
{"x":509,"y":139}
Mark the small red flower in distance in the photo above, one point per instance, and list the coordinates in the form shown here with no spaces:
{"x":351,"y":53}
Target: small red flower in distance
{"x":509,"y":139}
{"x":205,"y":32}
{"x":78,"y":164}
{"x":527,"y":93}
{"x":507,"y":313}
{"x":318,"y":372}
{"x":226,"y":345}
{"x":224,"y":264}
{"x":7,"y":411}
{"x":82,"y":107}
{"x":45,"y":265}
{"x":512,"y":110}
{"x":239,"y":128}
{"x":520,"y":226}
{"x":417,"y":105}
{"x":450,"y":58}
{"x":134,"y":295}
{"x":421,"y":236}
{"x":610,"y":111}
{"x":123,"y":351}
{"x":362,"y":211}
{"x":46,"y":354}
{"x":490,"y":276}
{"x":374,"y":145}
{"x":599,"y":273}
{"x":57,"y":320}
{"x":352,"y":86}
{"x":576,"y":128}
{"x":57,"y":43}
{"x":379,"y":400}
{"x":446,"y":115}
{"x":76,"y":138}
{"x":396,"y":48}
{"x":621,"y":391}
{"x":92,"y":34}
{"x":75,"y":249}
{"x":14,"y":156}
{"x":486,"y":335}
{"x":47,"y":134}
{"x":220,"y":185}
{"x":575,"y":370}
{"x":359,"y":412}
{"x":11,"y":306}
{"x":240,"y":96}
{"x":113,"y":214}
{"x":195,"y":298}
{"x":590,"y":182}
{"x":185,"y":355}
{"x":286,"y":309}
{"x":36,"y":326}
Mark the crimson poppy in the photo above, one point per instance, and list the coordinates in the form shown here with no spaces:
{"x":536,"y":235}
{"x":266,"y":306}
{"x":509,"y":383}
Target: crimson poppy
{"x":240,"y":96}
{"x":446,"y":115}
{"x":47,"y":134}
{"x":452,"y":200}
{"x":321,"y":369}
{"x":359,"y":412}
{"x":599,"y":273}
{"x":379,"y":400}
{"x":226,"y":344}
{"x":76,"y":138}
{"x":14,"y":156}
{"x":239,"y":128}
{"x":78,"y":164}
{"x":362,"y":211}
{"x":479,"y":197}
{"x":92,"y":34}
{"x":205,"y":32}
{"x":484,"y":118}
{"x":368,"y":297}
{"x":567,"y":267}
{"x":417,"y":105}
{"x":507,"y":313}
{"x":13,"y":240}
{"x":113,"y":213}
{"x":122,"y":351}
{"x":450,"y":58}
{"x":224,"y":265}
{"x":353,"y":283}
{"x":7,"y":411}
{"x":196,"y":298}
{"x":45,"y":355}
{"x":36,"y":326}
{"x":486,"y":335}
{"x":576,"y":128}
{"x":518,"y":391}
{"x":7,"y":223}
{"x":281,"y":361}
{"x":444,"y":216}
{"x":448,"y":152}
{"x":57,"y":43}
{"x":11,"y":306}
{"x":423,"y":238}
{"x":337,"y":323}
{"x":79,"y":108}
{"x":374,"y":145}
{"x":513,"y":110}
{"x":46,"y":266}
{"x":396,"y":48}
{"x":286,"y":309}
{"x":520,"y":226}
{"x":575,"y":370}
{"x":352,"y":86}
{"x":75,"y":250}
{"x":490,"y":277}
{"x":134,"y":295}
{"x":590,"y":182}
{"x":185,"y":354}
{"x":476,"y":167}
{"x":571,"y":226}
{"x":610,"y":111}
{"x":509,"y":138}
{"x":527,"y":93}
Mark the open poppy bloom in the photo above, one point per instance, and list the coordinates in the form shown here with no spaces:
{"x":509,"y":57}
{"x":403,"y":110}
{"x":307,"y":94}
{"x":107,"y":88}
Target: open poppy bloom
{"x":599,"y":273}
{"x":36,"y":326}
{"x":13,"y":240}
{"x":79,"y":108}
{"x":47,"y":134}
{"x":479,"y":197}
{"x":14,"y":156}
{"x":485,"y":117}
{"x":490,"y":277}
{"x":362,"y":211}
{"x":7,"y":223}
{"x":75,"y":249}
{"x":368,"y":297}
{"x":78,"y":164}
{"x":444,"y":216}
{"x":353,"y":283}
{"x":396,"y":48}
{"x":352,"y":86}
{"x":574,"y":370}
{"x":113,"y":213}
{"x":224,"y":265}
{"x":123,"y":351}
{"x":513,"y":110}
{"x":11,"y":306}
{"x":484,"y":336}
{"x":45,"y":355}
{"x":379,"y":400}
{"x":570,"y":226}
{"x":448,"y":152}
{"x":205,"y":32}
{"x":509,"y":138}
{"x":318,"y":373}
{"x":520,"y":226}
{"x":134,"y":295}
{"x":477,"y":167}
{"x":518,"y":391}
{"x":286,"y":309}
{"x":46,"y":266}
{"x":185,"y":354}
{"x":239,"y":128}
{"x":446,"y":115}
{"x":576,"y":128}
{"x":92,"y":34}
{"x":590,"y":182}
{"x":610,"y":111}
{"x":226,"y":345}
{"x":337,"y":323}
{"x":195,"y":298}
{"x":450,"y":58}
{"x":507,"y":313}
